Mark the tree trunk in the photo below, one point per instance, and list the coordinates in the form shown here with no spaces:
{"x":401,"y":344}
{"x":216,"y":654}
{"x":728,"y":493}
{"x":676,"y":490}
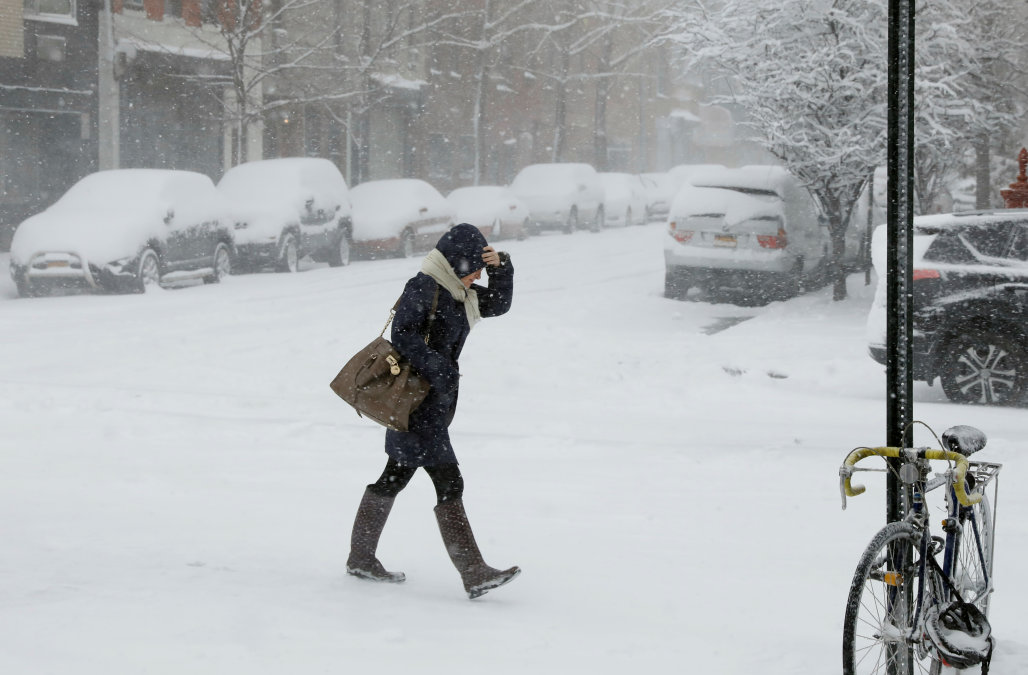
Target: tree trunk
{"x":481,"y":78}
{"x":836,"y":270}
{"x":603,"y":87}
{"x":560,"y":112}
{"x":983,"y":198}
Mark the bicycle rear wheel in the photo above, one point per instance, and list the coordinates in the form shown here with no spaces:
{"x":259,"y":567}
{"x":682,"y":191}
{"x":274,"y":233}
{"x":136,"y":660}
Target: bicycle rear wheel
{"x":971,"y":573}
{"x":880,"y":608}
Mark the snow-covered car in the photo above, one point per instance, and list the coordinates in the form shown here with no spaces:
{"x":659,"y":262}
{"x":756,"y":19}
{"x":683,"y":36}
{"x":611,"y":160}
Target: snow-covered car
{"x":288,"y":208}
{"x":624,"y":202}
{"x":970,"y":304}
{"x":659,"y":190}
{"x":756,"y":229}
{"x":126,"y":230}
{"x":681,"y":175}
{"x":561,"y":195}
{"x":398,"y":217}
{"x":493,"y":209}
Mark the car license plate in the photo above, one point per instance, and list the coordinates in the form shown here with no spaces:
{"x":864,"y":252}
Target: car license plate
{"x":56,"y":263}
{"x":727,"y":240}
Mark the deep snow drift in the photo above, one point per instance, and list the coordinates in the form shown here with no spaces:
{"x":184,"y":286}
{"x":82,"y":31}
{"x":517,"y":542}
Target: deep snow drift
{"x":177,"y":481}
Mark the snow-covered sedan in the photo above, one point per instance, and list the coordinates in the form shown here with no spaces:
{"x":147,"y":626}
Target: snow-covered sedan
{"x":125,"y":230}
{"x":624,"y":201}
{"x":288,"y":208}
{"x":398,"y":216}
{"x":562,"y":195}
{"x":659,"y":190}
{"x":493,"y":209}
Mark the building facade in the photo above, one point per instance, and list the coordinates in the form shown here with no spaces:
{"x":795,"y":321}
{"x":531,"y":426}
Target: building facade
{"x":48,"y":103}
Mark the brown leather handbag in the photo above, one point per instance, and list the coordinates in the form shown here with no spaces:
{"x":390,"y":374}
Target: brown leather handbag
{"x":380,"y":384}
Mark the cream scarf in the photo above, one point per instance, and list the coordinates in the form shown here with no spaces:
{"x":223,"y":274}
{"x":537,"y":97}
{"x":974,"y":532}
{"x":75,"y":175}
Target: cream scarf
{"x":436,"y":266}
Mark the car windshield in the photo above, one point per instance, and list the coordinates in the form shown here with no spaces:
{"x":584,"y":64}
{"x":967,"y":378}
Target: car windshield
{"x":969,"y":244}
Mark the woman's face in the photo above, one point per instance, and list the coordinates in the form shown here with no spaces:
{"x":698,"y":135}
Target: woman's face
{"x":471,"y":278}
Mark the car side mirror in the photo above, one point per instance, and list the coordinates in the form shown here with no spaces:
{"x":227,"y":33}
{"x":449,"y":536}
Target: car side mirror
{"x":169,"y":216}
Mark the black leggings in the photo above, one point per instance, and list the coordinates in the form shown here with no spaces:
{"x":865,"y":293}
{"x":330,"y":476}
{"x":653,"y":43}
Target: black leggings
{"x":449,"y":484}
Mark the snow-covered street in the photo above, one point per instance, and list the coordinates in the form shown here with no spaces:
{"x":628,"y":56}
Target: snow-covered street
{"x":177,"y":481}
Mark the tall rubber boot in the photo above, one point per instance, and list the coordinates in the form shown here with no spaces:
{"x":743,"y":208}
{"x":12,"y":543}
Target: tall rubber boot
{"x":478,"y":577}
{"x":367,"y":528}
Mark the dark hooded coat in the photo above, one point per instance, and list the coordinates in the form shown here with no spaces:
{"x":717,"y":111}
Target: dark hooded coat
{"x":427,"y":443}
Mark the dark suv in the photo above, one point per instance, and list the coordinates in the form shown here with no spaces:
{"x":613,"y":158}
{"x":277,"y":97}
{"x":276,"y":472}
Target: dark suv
{"x":970,"y":304}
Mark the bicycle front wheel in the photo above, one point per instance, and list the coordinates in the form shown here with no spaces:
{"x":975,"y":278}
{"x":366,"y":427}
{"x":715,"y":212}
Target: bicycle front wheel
{"x":876,"y":634}
{"x":971,"y":573}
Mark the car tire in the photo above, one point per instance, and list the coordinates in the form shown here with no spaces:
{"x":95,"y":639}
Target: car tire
{"x":598,"y":221}
{"x":984,"y":367}
{"x":497,"y":230}
{"x":628,"y":216}
{"x":148,"y":272}
{"x":572,"y":223}
{"x":342,"y":252}
{"x":221,"y":263}
{"x":526,"y":227}
{"x":26,"y":289}
{"x":676,"y":283}
{"x":289,"y":261}
{"x":407,"y":244}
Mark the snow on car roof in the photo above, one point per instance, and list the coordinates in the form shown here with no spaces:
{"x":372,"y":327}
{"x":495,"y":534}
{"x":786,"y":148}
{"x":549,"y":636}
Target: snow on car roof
{"x":269,"y":179}
{"x":936,"y":222}
{"x":389,"y":189}
{"x":123,"y":188}
{"x":736,"y":207}
{"x":762,"y":178}
{"x":538,"y":175}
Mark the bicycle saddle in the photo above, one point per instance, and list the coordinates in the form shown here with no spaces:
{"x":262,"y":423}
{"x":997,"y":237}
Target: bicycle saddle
{"x":963,"y":439}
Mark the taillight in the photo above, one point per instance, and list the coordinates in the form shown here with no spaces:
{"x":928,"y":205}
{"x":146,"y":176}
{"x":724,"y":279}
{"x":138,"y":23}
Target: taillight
{"x":926,"y":274}
{"x":681,"y":236}
{"x":773,"y":240}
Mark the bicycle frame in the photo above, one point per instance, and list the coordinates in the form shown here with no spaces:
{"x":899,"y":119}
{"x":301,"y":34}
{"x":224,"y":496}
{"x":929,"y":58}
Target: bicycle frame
{"x":951,"y":567}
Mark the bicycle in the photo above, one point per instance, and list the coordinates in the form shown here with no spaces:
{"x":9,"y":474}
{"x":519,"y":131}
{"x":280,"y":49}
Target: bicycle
{"x":906,"y":612}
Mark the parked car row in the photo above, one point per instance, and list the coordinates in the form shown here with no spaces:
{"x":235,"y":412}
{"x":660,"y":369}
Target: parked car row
{"x":125,"y":230}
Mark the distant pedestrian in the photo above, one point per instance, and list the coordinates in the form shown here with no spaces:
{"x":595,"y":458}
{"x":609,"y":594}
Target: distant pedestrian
{"x":433,"y":345}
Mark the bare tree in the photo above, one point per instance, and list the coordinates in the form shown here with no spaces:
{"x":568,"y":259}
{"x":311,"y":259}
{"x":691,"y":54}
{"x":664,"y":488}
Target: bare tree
{"x":633,"y":27}
{"x":483,"y":32}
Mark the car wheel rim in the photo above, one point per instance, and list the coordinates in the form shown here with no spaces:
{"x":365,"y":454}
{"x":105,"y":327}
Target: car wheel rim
{"x":292,"y":257}
{"x":986,"y":374}
{"x":149,"y":273}
{"x":222,"y":262}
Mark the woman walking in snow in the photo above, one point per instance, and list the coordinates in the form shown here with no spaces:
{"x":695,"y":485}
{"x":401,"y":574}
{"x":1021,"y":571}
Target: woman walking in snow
{"x":437,"y":310}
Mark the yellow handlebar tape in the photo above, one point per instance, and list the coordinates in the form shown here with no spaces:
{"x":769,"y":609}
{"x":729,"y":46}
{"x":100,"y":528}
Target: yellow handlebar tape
{"x":959,"y":475}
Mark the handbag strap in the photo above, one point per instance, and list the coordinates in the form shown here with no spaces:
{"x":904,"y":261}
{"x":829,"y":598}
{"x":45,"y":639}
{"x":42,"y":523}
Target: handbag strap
{"x":431,"y":315}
